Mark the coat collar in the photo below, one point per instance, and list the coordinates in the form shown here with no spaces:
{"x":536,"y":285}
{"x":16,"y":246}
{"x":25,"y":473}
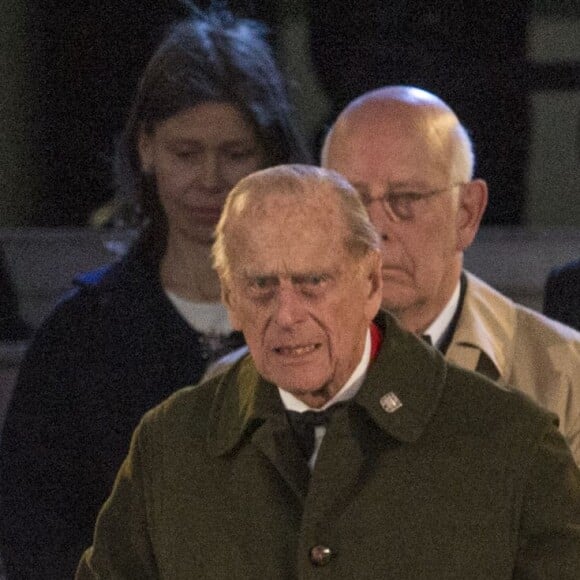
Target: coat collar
{"x":400,"y":393}
{"x":405,"y":383}
{"x":243,"y":401}
{"x":486,"y":328}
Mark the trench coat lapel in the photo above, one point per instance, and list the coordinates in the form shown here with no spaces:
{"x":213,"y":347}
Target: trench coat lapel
{"x":484,"y":337}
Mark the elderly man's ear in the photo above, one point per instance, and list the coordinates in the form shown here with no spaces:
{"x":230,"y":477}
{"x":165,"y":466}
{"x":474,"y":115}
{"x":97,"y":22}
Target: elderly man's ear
{"x":472,"y":204}
{"x":375,"y":283}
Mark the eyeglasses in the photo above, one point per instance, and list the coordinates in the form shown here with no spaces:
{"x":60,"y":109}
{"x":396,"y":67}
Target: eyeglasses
{"x":404,"y":206}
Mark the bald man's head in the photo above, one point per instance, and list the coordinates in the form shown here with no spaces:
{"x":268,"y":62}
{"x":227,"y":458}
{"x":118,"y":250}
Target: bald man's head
{"x":411,"y":110}
{"x":411,"y":160}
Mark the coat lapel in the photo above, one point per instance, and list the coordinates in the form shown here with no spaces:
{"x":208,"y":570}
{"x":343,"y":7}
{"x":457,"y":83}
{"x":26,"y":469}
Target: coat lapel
{"x":394,"y":398}
{"x":248,"y":410}
{"x":275,"y":441}
{"x":393,"y":407}
{"x":337,"y":471}
{"x":484,"y":337}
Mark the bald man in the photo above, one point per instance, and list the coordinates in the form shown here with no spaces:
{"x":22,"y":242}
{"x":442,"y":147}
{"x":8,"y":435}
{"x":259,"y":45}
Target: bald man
{"x":412,"y":162}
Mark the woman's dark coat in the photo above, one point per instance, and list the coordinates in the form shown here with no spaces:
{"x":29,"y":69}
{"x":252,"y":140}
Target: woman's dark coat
{"x":111,"y":350}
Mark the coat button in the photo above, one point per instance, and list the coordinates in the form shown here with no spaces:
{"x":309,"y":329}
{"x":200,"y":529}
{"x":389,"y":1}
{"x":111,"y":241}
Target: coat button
{"x":320,"y":555}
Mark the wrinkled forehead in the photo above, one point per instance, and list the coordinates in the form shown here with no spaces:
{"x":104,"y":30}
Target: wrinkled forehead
{"x":316,"y":203}
{"x":285,"y":228}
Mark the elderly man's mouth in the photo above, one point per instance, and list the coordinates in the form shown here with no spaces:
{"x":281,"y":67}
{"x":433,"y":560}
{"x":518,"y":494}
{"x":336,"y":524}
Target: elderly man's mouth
{"x":296,"y":351}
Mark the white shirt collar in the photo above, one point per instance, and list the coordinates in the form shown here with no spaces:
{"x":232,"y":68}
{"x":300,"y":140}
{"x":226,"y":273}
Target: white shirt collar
{"x":348,"y":391}
{"x":437,"y":329}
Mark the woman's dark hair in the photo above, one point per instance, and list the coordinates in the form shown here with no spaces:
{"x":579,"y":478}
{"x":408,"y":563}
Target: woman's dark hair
{"x":212,"y":56}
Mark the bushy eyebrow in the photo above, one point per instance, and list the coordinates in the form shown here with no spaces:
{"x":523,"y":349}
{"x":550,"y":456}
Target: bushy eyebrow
{"x":296,"y":278}
{"x":304,"y":278}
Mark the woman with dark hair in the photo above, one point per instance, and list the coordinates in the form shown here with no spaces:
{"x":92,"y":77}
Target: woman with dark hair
{"x":211,"y":108}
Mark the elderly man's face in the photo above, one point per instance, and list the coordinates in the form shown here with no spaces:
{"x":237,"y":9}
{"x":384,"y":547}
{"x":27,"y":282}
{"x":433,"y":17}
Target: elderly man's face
{"x":422,"y":254}
{"x":302,"y":301}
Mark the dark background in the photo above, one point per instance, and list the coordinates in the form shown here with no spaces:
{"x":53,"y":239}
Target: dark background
{"x":87,"y":57}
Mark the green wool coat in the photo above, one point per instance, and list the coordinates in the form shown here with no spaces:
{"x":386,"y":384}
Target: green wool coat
{"x":465,"y":481}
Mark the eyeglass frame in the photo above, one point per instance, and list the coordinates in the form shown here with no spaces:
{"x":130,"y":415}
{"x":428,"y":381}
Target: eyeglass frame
{"x":417,"y":197}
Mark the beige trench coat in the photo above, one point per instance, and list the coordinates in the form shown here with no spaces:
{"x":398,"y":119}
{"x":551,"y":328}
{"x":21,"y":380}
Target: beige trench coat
{"x":525,"y":349}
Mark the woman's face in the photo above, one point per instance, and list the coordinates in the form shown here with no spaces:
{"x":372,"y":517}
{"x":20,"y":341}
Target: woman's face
{"x":197,"y":156}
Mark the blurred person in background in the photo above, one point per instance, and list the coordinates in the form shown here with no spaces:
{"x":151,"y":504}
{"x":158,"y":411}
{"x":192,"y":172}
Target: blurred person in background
{"x":412,"y":162}
{"x":211,"y":107}
{"x":562,"y":294}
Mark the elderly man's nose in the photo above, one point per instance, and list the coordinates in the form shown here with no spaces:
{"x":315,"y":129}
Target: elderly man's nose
{"x":380,"y":218}
{"x":289,"y":307}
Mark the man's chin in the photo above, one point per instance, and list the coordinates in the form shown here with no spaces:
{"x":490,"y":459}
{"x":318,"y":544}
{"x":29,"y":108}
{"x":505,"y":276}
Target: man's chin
{"x":397,"y":298}
{"x":315,"y":397}
{"x":312,"y":393}
{"x":302,"y":388}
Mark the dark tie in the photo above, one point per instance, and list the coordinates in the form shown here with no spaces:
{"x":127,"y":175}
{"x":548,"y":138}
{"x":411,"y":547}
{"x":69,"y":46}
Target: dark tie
{"x":427,"y":339}
{"x":303,"y":425}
